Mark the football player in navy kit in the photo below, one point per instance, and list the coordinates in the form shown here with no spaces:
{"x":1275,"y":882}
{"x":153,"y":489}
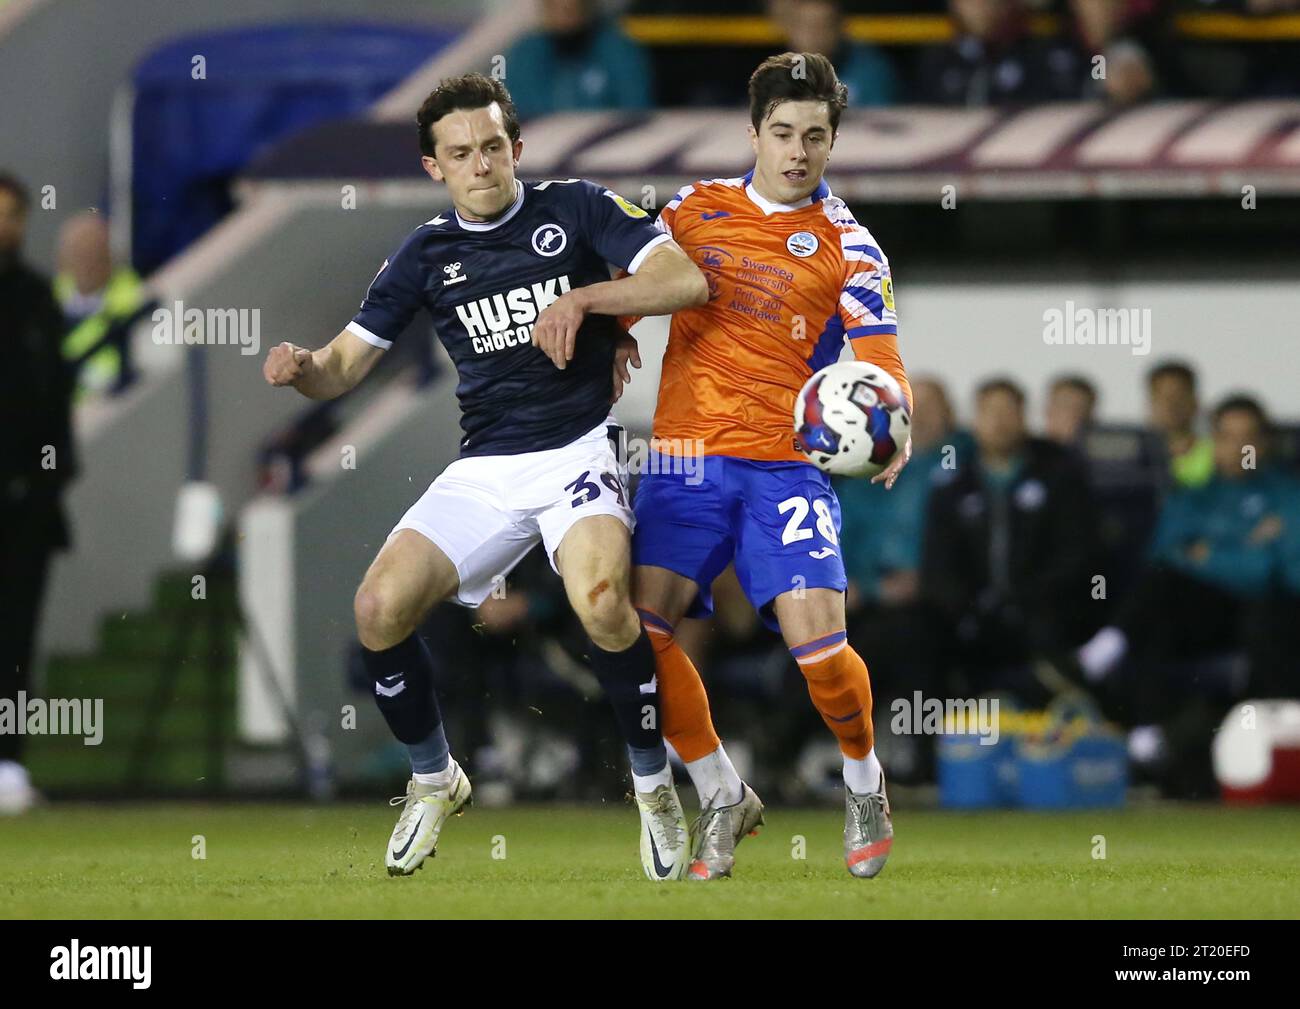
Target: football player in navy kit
{"x":510,"y":262}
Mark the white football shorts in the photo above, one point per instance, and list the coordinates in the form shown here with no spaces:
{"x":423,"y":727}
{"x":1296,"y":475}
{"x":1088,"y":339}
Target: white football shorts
{"x":486,"y":512}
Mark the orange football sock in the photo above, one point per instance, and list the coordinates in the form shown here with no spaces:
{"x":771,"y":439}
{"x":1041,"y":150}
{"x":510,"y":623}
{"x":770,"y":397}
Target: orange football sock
{"x":683,"y":703}
{"x":840,"y":689}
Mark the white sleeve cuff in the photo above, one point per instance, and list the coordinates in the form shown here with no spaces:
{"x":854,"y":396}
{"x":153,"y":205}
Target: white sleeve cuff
{"x":356,"y":329}
{"x":646,"y":249}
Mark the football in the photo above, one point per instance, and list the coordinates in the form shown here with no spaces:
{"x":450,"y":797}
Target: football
{"x":850,"y":419}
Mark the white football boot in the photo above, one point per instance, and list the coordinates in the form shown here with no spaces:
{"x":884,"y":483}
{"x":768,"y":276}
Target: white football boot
{"x":424,"y":811}
{"x":665,"y":848}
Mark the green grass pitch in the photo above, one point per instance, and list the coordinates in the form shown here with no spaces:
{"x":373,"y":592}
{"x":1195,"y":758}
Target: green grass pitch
{"x":136,"y":861}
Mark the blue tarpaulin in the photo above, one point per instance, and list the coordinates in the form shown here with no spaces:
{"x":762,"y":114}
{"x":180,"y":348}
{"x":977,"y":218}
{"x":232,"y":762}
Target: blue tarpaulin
{"x":193,"y":133}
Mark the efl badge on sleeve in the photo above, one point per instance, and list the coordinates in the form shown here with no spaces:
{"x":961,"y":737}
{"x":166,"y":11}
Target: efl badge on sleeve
{"x":631,"y":209}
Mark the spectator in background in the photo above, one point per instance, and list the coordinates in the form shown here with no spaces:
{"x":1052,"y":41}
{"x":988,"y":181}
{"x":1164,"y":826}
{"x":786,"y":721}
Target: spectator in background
{"x":884,"y":532}
{"x":1279,"y":672}
{"x":817,"y":26}
{"x":1225,"y":67}
{"x":36,"y":463}
{"x":992,"y":60}
{"x":1008,"y":549}
{"x":882,"y":541}
{"x":101,"y":301}
{"x":577,"y":60}
{"x":1173,"y":407}
{"x":1071,"y":409}
{"x":1214,"y":562}
{"x":1112,"y":29}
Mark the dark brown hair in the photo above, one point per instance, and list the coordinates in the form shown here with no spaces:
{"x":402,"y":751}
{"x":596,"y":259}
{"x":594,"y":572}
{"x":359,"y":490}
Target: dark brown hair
{"x":796,"y":77}
{"x":1180,"y":370}
{"x":469,"y":91}
{"x":1241,"y":403}
{"x":1001,"y":384}
{"x":1079,"y":384}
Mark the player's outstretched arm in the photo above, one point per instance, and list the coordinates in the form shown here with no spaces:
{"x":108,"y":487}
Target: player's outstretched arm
{"x":321,"y":374}
{"x":666,"y":282}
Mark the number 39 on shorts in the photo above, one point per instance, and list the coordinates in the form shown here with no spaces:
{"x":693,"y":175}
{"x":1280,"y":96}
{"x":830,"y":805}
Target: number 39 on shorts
{"x":585,"y":490}
{"x":797,"y":509}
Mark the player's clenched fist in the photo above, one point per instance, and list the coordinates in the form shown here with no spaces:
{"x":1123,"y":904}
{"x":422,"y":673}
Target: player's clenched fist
{"x":286,"y":364}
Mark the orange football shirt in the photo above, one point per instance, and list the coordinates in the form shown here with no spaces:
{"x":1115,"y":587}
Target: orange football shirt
{"x":788,"y":285}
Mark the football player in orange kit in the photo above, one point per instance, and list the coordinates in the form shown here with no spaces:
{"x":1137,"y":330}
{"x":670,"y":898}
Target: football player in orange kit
{"x":792,"y":278}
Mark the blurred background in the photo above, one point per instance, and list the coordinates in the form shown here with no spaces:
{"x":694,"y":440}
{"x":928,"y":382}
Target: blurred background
{"x":1102,"y":533}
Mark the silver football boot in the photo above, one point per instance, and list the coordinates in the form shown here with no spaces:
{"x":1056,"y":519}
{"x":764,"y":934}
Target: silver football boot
{"x":868,"y":831}
{"x":717,"y":832}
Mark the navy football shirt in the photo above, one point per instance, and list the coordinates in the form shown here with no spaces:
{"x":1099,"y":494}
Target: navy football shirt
{"x":485,"y":283}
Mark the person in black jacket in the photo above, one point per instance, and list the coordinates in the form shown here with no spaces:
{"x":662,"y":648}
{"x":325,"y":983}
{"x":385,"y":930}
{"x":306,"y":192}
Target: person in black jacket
{"x":1007,"y":558}
{"x":36,"y":463}
{"x":993,"y":59}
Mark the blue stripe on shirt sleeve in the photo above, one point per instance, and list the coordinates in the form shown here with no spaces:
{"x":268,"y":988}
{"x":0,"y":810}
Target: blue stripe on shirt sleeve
{"x":873,"y":300}
{"x":871,"y":250}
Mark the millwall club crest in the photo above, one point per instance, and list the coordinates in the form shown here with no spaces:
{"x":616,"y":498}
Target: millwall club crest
{"x":549,"y":240}
{"x":802,"y":244}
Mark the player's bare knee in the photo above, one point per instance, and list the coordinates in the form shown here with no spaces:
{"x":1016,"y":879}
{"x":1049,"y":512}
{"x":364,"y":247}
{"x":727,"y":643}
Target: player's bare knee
{"x":381,"y":621}
{"x":607,"y":615}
